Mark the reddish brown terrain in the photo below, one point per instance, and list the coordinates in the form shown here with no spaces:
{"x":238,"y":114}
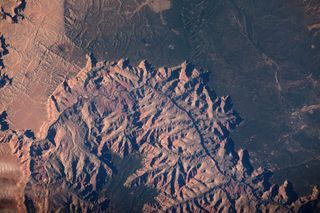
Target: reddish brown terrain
{"x":169,"y":117}
{"x":77,"y":135}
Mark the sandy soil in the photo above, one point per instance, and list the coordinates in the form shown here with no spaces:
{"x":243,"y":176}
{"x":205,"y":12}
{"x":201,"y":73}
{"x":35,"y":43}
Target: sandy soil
{"x":36,"y":62}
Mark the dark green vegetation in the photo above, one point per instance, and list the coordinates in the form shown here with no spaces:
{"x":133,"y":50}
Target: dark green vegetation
{"x":265,"y":54}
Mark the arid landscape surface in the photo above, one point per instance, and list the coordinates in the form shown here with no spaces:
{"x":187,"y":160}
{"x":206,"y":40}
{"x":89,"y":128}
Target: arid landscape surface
{"x":81,"y":132}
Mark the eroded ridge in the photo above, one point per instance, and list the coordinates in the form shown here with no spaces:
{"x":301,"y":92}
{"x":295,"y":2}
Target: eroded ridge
{"x":12,"y":10}
{"x":4,"y":78}
{"x":170,"y":118}
{"x":11,"y":181}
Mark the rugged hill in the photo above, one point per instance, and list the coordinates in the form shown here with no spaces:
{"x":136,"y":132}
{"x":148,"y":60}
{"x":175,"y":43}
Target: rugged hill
{"x":169,"y":118}
{"x":264,"y":54}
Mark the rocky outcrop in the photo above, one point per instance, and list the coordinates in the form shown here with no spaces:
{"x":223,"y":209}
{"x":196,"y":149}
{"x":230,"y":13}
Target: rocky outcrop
{"x":11,"y":159}
{"x":3,"y":123}
{"x":170,"y":118}
{"x":11,"y":10}
{"x":4,"y":78}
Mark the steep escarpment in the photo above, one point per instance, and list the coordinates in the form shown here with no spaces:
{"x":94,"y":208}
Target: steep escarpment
{"x":4,"y":78}
{"x":167,"y":116}
{"x":12,"y":159}
{"x":12,"y":10}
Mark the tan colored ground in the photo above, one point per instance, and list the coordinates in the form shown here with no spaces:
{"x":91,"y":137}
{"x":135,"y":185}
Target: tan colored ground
{"x":159,"y":5}
{"x":36,"y":67}
{"x":38,"y":59}
{"x":11,"y":180}
{"x":11,"y":10}
{"x":34,"y":62}
{"x":167,"y":116}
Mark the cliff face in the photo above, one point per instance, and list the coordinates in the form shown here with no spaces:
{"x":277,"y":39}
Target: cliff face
{"x":167,"y":116}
